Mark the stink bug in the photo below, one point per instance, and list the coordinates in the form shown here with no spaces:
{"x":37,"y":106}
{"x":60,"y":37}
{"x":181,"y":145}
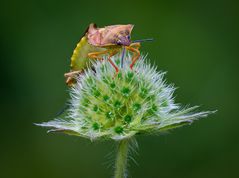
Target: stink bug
{"x":99,"y":41}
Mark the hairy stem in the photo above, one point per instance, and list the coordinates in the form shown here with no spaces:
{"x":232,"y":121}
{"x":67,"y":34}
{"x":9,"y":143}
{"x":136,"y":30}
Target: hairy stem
{"x":121,"y":159}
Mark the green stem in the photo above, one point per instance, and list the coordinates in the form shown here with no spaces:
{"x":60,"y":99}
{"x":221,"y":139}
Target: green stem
{"x":121,"y":159}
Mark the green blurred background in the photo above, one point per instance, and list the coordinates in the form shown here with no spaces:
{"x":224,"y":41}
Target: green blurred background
{"x":195,"y":41}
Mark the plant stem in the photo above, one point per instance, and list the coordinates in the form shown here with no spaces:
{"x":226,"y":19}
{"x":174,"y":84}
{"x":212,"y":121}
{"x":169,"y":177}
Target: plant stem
{"x":121,"y":159}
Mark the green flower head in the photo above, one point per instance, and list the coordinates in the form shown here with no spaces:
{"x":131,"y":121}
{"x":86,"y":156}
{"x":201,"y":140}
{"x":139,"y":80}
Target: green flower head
{"x":110,"y":106}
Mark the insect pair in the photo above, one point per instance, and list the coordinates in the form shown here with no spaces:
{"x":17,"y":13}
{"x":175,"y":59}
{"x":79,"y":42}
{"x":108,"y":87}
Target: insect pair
{"x":101,"y":41}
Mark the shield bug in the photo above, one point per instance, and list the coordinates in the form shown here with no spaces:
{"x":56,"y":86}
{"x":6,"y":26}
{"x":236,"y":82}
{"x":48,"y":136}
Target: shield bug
{"x":101,"y":41}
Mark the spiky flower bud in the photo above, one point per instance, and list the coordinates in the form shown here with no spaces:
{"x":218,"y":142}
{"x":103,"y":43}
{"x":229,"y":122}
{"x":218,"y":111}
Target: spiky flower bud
{"x":105,"y":105}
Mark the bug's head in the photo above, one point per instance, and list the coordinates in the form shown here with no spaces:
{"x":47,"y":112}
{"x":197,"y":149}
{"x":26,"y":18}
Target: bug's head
{"x":122,"y":35}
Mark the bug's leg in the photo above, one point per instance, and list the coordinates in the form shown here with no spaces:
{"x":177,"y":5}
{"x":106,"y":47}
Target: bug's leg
{"x":135,"y":45}
{"x":135,"y":56}
{"x":70,"y":77}
{"x":96,"y":55}
{"x":72,"y":73}
{"x":112,"y":53}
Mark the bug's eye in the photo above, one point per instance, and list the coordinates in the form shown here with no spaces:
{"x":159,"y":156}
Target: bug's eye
{"x":128,"y":37}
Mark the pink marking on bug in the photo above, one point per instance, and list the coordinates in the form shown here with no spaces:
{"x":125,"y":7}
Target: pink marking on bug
{"x":109,"y":35}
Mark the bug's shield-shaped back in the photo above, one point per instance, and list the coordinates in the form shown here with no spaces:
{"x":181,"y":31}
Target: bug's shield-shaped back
{"x":106,"y":36}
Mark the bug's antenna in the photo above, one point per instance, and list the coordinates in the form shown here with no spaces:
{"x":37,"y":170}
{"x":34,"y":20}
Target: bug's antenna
{"x":122,"y":58}
{"x":143,"y":40}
